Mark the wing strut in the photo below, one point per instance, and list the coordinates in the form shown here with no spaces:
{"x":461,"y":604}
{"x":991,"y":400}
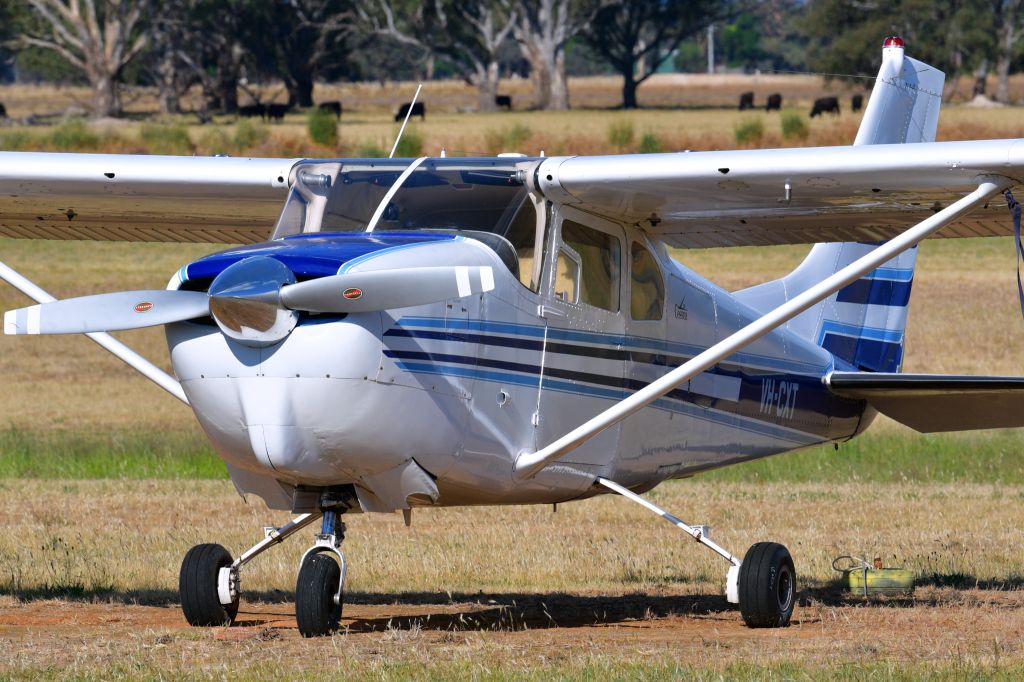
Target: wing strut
{"x":121,"y":351}
{"x":530,"y":463}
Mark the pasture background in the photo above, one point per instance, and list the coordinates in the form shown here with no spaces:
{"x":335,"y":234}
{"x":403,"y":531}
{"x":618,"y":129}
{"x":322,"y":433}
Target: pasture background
{"x":105,"y":480}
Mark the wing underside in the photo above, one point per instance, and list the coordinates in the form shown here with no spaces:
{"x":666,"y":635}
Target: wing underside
{"x":931,"y":403}
{"x":140,"y":198}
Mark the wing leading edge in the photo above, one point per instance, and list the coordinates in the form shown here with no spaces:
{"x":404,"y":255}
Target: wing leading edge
{"x":787,"y":196}
{"x":140,"y":198}
{"x":931,"y":403}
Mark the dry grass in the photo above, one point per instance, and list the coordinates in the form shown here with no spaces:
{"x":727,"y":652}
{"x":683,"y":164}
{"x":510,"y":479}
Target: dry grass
{"x":599,"y":586}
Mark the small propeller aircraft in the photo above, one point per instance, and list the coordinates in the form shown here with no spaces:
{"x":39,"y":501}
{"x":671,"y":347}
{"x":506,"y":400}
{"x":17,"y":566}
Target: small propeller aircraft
{"x":513,"y":330}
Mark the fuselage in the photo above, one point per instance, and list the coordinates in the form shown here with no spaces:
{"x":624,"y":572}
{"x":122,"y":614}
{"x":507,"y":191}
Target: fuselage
{"x":432,"y":404}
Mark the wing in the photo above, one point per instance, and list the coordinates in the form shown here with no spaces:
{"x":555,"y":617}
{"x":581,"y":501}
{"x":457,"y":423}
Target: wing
{"x":734,"y":198}
{"x":931,"y":403}
{"x":140,"y":198}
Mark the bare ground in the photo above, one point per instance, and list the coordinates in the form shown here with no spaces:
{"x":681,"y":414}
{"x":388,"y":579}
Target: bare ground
{"x":942,"y":629}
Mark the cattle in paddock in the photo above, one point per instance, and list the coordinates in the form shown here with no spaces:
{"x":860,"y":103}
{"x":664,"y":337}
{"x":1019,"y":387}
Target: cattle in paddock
{"x":253,"y":111}
{"x":276,"y":112}
{"x":331,"y":107}
{"x":503,"y":102}
{"x":856,"y":102}
{"x":774,"y":102}
{"x":418,"y":109}
{"x":746,"y":101}
{"x":825,"y":105}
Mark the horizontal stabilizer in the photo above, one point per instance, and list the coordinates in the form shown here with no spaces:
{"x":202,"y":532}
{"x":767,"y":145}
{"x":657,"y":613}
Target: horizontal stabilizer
{"x":937,"y":402}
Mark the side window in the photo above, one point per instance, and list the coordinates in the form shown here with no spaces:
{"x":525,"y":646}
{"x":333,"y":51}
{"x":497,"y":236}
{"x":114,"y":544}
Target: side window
{"x":522,"y":233}
{"x":598,"y":252}
{"x":567,"y":279}
{"x":647,"y":288}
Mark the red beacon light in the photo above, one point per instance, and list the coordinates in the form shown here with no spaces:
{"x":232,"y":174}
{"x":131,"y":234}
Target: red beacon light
{"x":893,"y":41}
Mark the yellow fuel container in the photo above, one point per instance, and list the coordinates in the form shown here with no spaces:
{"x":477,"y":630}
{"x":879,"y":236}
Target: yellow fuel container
{"x":864,"y":579}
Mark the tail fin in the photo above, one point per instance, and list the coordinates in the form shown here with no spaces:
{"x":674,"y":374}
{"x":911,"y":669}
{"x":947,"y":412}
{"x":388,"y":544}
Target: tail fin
{"x":863,"y":323}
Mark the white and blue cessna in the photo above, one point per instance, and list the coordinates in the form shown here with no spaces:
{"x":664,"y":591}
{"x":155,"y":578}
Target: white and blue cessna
{"x":512,"y":330}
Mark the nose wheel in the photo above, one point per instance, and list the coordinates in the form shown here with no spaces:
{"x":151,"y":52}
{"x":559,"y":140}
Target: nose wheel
{"x":319,"y":588}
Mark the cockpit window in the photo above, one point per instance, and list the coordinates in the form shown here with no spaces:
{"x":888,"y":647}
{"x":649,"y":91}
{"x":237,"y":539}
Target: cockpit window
{"x":484,"y":195}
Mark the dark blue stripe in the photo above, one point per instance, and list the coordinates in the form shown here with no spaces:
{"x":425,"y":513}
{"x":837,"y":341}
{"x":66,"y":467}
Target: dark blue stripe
{"x":865,"y":354}
{"x":876,"y":292}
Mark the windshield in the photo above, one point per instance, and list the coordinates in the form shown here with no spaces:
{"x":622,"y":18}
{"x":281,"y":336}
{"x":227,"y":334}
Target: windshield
{"x":482,"y":195}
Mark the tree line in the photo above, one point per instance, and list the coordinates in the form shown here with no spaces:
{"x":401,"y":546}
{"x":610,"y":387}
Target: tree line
{"x":226,"y":46}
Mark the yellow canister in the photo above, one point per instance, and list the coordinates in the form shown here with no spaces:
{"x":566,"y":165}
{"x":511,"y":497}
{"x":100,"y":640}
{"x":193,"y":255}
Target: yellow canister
{"x":864,"y":579}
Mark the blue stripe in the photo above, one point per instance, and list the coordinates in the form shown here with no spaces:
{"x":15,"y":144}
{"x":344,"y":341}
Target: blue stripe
{"x":873,"y":333}
{"x":876,"y":292}
{"x":865,"y":354}
{"x":537,"y":332}
{"x":707,"y":414}
{"x":896,"y":274}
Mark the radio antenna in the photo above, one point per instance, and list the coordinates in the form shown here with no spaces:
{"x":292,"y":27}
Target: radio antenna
{"x":406,"y":121}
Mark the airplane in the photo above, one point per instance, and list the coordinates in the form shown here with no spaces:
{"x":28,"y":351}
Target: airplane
{"x":514,"y":330}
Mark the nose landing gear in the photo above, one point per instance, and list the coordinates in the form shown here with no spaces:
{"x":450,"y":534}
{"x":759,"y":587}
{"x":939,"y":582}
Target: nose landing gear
{"x":210,"y":584}
{"x":319,"y":588}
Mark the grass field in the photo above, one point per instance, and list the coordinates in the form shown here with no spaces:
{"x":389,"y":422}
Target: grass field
{"x":105,"y":480}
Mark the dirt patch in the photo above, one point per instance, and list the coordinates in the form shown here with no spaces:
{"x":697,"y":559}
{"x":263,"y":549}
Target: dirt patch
{"x":939,"y":627}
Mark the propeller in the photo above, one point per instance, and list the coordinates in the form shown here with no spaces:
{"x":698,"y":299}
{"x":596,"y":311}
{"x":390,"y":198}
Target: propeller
{"x":254,"y":301}
{"x":107,"y":312}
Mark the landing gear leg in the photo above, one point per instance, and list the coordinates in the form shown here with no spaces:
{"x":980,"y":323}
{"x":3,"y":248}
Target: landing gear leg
{"x":319,"y":588}
{"x":763,"y":584}
{"x":210,"y":582}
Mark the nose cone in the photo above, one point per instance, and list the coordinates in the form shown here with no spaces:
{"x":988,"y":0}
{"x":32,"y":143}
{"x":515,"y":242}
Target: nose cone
{"x":245,"y":301}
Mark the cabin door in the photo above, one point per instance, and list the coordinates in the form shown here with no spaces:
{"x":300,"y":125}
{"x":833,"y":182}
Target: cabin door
{"x":583,"y":356}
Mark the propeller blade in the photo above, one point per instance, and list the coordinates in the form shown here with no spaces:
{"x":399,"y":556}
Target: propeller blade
{"x":107,"y":312}
{"x":358,"y":292}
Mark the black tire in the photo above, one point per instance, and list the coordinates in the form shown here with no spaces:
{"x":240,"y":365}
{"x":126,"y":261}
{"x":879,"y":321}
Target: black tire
{"x":315,"y":611}
{"x":197,"y":586}
{"x":767,"y":586}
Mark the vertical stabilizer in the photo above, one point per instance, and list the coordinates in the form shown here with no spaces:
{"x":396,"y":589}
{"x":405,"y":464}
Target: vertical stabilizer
{"x":863,"y":323}
{"x":905,"y":101}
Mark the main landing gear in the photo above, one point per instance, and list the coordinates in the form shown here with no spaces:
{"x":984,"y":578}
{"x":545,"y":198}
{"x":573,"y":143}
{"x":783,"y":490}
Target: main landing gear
{"x":210,"y":583}
{"x":763,"y":584}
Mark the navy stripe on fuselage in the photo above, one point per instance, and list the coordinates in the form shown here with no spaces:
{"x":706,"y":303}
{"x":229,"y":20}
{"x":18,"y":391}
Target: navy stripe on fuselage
{"x":739,"y":422}
{"x":685,"y":350}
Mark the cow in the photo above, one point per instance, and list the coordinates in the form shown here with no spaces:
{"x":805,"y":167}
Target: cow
{"x":418,"y":109}
{"x":825,"y":105}
{"x":774,"y":102}
{"x":856,"y":102}
{"x":3,"y":110}
{"x":276,"y":112}
{"x":253,"y":111}
{"x":331,"y":107}
{"x":746,"y":101}
{"x":503,"y":102}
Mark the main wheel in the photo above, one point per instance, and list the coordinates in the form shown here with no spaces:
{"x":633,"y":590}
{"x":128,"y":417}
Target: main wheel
{"x":315,"y":610}
{"x":197,"y":586}
{"x":767,"y":586}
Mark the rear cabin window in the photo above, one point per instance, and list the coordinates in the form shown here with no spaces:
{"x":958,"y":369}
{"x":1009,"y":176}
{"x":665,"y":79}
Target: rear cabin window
{"x":598,"y":263}
{"x":647,"y":288}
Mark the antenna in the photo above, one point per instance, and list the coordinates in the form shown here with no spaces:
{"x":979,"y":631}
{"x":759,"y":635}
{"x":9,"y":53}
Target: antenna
{"x":407,"y":114}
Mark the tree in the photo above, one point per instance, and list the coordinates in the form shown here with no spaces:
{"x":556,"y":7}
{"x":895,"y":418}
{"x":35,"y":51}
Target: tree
{"x":309,"y":39}
{"x":467,"y":33}
{"x":1007,"y":16}
{"x":952,"y":35}
{"x":543,"y":29}
{"x":99,"y":38}
{"x":638,"y":37}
